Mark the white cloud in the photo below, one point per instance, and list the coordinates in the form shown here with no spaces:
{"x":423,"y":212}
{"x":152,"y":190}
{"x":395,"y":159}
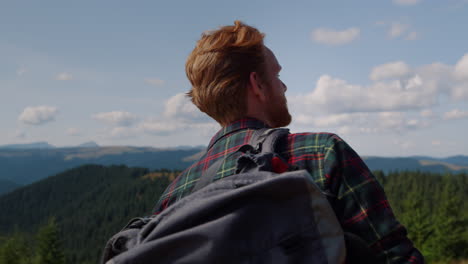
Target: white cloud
{"x":20,"y":134}
{"x":460,"y":91}
{"x":123,"y":132}
{"x":404,"y":144}
{"x":161,"y":127}
{"x":72,"y":131}
{"x":339,"y":119}
{"x":359,"y":123}
{"x":118,"y":118}
{"x":164,"y":127}
{"x":154,"y":81}
{"x":206,"y":129}
{"x":461,"y":68}
{"x":396,"y":69}
{"x":406,"y":2}
{"x":444,"y":77}
{"x":427,"y":113}
{"x":397,"y":121}
{"x":64,"y":76}
{"x":344,"y":130}
{"x":180,"y":107}
{"x":180,"y":114}
{"x":412,"y":36}
{"x":38,"y":115}
{"x":458,"y":79}
{"x":335,"y":37}
{"x":399,"y":98}
{"x":397,"y":29}
{"x":177,"y":104}
{"x":436,"y":71}
{"x":455,"y":114}
{"x":436,"y":142}
{"x":333,"y":95}
{"x":438,"y":77}
{"x":396,"y":87}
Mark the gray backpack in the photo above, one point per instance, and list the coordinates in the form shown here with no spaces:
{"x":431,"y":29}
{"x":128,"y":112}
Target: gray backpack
{"x":254,"y":216}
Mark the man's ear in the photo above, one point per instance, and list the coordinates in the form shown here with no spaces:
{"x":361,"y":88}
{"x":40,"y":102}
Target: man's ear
{"x":256,"y":86}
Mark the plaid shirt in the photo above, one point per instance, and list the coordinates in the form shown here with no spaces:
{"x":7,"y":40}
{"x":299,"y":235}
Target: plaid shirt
{"x":359,"y":201}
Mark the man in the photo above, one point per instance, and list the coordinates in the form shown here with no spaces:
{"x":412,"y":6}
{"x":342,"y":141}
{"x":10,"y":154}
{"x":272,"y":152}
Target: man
{"x":235,"y":80}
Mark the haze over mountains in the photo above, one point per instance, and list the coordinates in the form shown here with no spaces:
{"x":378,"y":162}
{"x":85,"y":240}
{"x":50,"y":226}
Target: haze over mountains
{"x":22,"y":164}
{"x":45,"y":145}
{"x":34,"y":145}
{"x":454,"y":164}
{"x":28,"y":163}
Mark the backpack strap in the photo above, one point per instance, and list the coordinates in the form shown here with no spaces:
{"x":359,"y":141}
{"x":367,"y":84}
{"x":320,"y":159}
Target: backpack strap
{"x":208,"y":176}
{"x":262,"y":141}
{"x":266,"y":140}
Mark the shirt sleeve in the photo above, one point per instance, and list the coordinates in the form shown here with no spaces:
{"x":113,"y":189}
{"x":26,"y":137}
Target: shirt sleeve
{"x":362,"y":207}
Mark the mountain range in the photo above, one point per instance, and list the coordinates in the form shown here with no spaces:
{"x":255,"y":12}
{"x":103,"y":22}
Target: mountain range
{"x":34,"y":145}
{"x":454,"y":164}
{"x":22,"y":164}
{"x":45,"y":145}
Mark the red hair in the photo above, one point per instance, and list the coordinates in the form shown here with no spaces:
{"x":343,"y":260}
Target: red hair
{"x":219,"y":68}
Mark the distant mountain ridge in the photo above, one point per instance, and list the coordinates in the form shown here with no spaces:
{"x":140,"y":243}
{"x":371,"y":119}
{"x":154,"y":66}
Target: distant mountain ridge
{"x":34,"y":145}
{"x":455,"y":164}
{"x":46,"y":145}
{"x":460,"y":160}
{"x":89,"y":144}
{"x":24,"y":166}
{"x":21,"y":166}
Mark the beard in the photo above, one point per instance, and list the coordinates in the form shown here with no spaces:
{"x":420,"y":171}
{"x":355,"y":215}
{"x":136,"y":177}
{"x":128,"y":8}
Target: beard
{"x":277,"y":111}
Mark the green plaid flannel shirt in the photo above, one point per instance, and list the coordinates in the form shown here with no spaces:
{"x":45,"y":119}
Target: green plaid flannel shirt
{"x":359,"y":201}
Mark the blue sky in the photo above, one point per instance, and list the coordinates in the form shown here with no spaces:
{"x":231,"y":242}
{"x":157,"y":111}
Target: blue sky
{"x":390,"y":77}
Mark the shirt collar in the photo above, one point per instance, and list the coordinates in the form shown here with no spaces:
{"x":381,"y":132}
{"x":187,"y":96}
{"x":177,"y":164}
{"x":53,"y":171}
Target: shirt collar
{"x":237,"y":125}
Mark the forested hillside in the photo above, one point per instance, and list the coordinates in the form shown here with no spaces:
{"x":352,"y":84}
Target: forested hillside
{"x":88,"y":204}
{"x":434,"y":209}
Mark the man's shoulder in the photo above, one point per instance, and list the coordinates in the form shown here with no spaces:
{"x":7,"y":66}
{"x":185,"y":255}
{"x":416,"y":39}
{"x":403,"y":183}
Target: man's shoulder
{"x":313,"y":144}
{"x":313,"y":138}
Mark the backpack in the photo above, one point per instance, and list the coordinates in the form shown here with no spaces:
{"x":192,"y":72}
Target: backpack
{"x":261,"y":214}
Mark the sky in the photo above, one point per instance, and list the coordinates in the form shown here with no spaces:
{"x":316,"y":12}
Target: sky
{"x":390,"y":77}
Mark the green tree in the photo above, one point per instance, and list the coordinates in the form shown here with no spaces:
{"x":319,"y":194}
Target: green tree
{"x":15,"y":250}
{"x":49,"y":249}
{"x":417,"y":218}
{"x":449,"y":225}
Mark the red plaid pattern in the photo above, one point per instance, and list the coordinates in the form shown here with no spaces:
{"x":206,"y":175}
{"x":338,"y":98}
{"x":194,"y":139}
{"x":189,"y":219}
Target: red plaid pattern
{"x":358,"y":199}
